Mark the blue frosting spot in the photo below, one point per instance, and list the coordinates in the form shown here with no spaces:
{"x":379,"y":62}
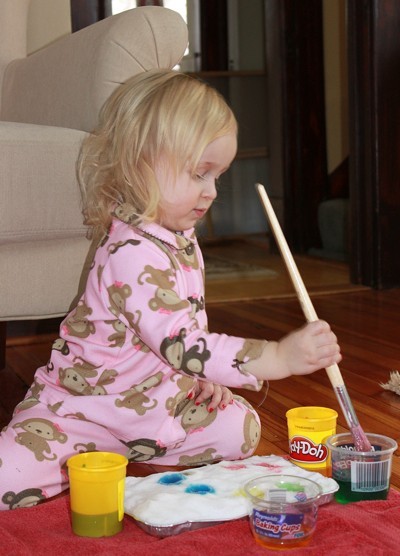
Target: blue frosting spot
{"x":200,"y":489}
{"x":172,"y":479}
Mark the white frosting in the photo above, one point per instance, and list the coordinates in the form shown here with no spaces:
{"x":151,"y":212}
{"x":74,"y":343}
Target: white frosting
{"x":157,"y":500}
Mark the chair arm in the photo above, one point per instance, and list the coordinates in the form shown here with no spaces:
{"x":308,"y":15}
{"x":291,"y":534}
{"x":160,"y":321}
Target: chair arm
{"x":66,"y":83}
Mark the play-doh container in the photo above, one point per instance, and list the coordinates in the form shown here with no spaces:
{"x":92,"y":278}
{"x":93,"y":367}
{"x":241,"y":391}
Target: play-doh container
{"x":308,"y":428}
{"x":284,"y":510}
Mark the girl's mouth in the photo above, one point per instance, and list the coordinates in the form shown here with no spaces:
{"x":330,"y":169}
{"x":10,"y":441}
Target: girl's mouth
{"x":200,"y":212}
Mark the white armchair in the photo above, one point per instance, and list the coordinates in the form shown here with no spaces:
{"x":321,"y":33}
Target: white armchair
{"x":48,"y":102}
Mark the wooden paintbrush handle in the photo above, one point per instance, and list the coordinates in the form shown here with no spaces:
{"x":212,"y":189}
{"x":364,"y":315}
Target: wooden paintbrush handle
{"x":333,"y":371}
{"x":335,"y":376}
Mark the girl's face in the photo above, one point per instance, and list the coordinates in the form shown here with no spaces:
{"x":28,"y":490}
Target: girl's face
{"x":186,"y":199}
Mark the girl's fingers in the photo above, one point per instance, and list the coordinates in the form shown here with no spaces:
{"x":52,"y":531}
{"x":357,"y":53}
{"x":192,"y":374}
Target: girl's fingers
{"x":216,"y":398}
{"x":206,"y":391}
{"x":219,"y":396}
{"x":226,"y":398}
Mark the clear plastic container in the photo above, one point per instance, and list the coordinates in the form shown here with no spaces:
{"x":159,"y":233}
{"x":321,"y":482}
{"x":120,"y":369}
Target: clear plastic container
{"x":361,"y":475}
{"x":284,"y":510}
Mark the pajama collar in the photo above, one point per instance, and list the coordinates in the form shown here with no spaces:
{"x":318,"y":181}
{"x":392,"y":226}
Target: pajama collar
{"x":184,"y":240}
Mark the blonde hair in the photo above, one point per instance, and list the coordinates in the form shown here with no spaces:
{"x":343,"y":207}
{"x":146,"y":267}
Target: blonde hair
{"x":153,"y":114}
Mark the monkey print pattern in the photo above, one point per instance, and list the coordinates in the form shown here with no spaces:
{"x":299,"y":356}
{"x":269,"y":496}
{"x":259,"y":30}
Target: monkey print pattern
{"x":117,"y":338}
{"x":26,"y":403}
{"x":144,"y":449}
{"x":78,"y":324}
{"x":187,"y":254}
{"x":113,"y":248}
{"x":118,"y":293}
{"x":32,"y":399}
{"x":61,"y":346}
{"x":134,"y":397}
{"x":83,"y":448}
{"x":36,"y":435}
{"x":207,"y":456}
{"x":24,"y":499}
{"x":74,"y":379}
{"x":252,"y":431}
{"x":126,"y":213}
{"x":165,"y":298}
{"x":36,"y":389}
{"x":197,"y":304}
{"x":195,"y":417}
{"x":252,"y":349}
{"x":174,"y":404}
{"x":191,"y":361}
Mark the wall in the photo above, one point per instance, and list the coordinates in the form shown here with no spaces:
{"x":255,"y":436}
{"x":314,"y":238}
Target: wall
{"x":48,"y":20}
{"x":336,"y":81}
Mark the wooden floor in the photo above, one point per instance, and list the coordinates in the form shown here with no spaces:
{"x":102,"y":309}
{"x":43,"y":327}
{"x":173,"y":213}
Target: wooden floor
{"x":321,"y":276}
{"x":368,"y":327}
{"x":366,"y":322}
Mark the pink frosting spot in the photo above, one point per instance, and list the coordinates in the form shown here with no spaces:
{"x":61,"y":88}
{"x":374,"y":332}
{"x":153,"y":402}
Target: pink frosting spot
{"x":118,"y":284}
{"x":276,"y":468}
{"x":235,"y":467}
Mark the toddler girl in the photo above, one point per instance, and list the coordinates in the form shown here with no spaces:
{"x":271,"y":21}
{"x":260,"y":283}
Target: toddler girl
{"x":135,"y":369}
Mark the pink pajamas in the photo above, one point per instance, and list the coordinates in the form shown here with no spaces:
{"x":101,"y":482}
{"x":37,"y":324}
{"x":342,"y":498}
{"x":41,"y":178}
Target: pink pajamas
{"x":120,"y":373}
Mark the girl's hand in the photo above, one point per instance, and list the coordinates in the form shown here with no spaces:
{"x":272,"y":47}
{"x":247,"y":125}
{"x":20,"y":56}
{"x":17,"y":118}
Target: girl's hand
{"x":220,"y":396}
{"x":308,"y":349}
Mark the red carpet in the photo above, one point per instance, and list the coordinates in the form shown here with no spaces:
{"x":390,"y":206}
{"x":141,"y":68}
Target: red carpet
{"x":367,"y":528}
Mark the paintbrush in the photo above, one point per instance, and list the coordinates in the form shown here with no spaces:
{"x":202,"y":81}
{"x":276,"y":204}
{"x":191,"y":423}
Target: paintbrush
{"x":361,"y":442}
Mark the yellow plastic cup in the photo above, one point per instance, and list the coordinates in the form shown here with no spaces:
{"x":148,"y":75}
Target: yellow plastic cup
{"x":308,"y":429}
{"x":97,"y":486}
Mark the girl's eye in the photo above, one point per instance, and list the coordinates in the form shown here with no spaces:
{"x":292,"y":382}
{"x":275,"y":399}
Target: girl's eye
{"x":207,"y":177}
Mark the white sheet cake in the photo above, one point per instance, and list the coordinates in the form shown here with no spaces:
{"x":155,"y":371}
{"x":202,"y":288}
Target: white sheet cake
{"x":168,"y":503}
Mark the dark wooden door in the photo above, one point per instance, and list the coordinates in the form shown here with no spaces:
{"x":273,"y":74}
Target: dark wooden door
{"x":297,"y":142}
{"x":374,"y":83}
{"x":297,"y":118}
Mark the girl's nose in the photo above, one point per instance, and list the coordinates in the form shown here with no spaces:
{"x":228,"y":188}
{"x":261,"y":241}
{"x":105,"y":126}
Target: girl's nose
{"x":210,"y":190}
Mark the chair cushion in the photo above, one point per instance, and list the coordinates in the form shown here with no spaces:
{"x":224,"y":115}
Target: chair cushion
{"x":39,"y":194}
{"x":41,"y":279}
